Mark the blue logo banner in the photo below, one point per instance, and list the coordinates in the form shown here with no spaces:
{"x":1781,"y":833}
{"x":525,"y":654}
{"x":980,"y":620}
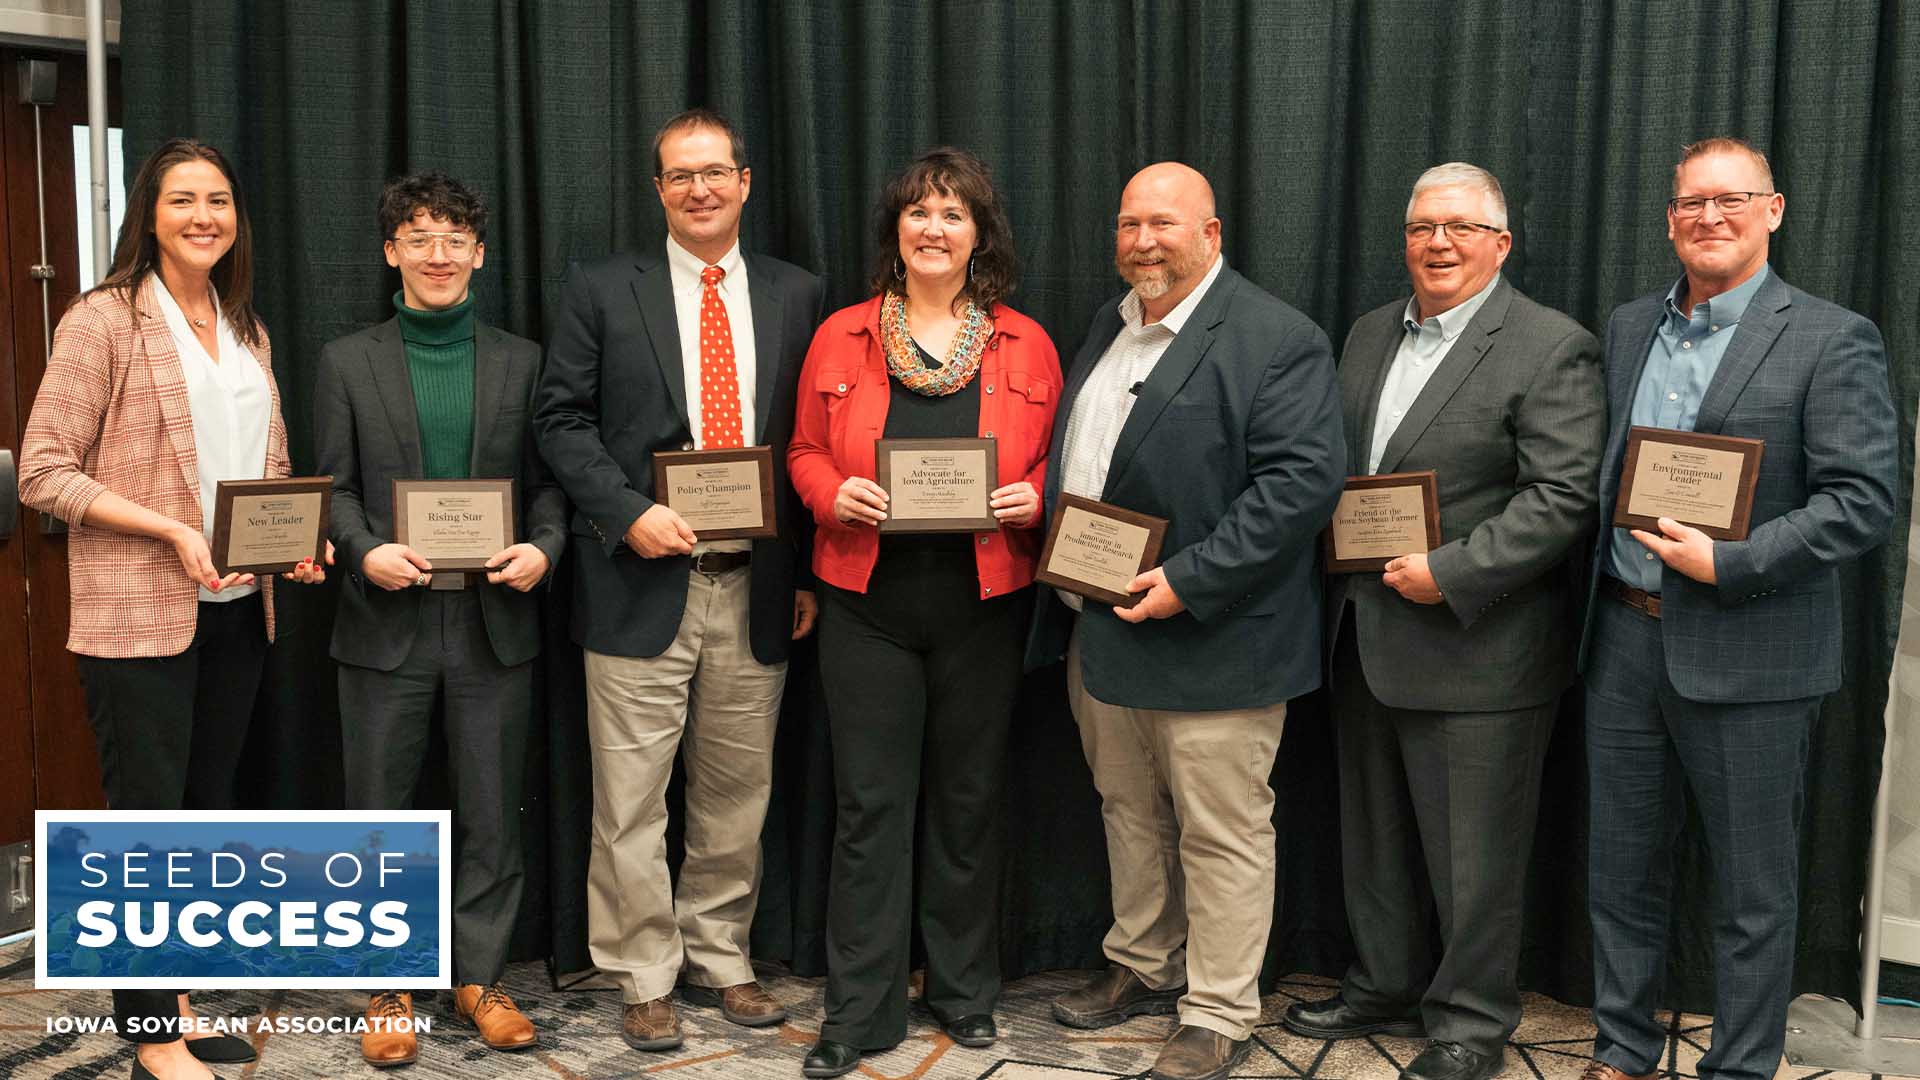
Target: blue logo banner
{"x":217,"y":899}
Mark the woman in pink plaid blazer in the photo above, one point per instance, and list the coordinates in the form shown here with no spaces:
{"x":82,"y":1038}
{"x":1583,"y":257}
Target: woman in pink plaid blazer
{"x":160,"y":385}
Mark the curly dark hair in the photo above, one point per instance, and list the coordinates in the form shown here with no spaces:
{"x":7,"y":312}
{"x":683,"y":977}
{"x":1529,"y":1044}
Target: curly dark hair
{"x":439,"y":195}
{"x":948,"y":170}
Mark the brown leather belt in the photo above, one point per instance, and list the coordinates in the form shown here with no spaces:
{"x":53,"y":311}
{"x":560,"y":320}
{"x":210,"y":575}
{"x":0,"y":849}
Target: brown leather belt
{"x":719,"y":562}
{"x":1640,"y":600}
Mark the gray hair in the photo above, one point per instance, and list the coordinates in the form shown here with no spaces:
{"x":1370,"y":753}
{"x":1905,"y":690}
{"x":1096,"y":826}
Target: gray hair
{"x":1461,"y":174}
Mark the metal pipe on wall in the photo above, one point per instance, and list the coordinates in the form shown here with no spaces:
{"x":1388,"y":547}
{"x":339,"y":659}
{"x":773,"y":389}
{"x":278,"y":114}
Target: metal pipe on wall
{"x":97,"y":132}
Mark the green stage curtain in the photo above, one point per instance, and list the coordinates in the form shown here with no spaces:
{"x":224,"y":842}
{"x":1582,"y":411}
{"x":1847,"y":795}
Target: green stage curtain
{"x":1312,"y":119}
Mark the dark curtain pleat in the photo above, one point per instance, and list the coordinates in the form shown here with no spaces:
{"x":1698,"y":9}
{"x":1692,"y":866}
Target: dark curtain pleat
{"x":1312,"y":119}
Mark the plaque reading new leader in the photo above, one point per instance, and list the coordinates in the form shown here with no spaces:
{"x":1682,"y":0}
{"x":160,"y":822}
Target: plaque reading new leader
{"x":1380,"y":518}
{"x":1095,"y":549}
{"x":1705,"y":481}
{"x":936,"y":485}
{"x":269,"y":526}
{"x":456,"y":524}
{"x":722,"y":494}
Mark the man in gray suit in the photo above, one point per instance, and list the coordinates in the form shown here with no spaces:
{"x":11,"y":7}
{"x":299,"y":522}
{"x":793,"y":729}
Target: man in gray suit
{"x":433,"y":393}
{"x":1201,"y":399}
{"x":1447,"y":668}
{"x":1706,"y":659}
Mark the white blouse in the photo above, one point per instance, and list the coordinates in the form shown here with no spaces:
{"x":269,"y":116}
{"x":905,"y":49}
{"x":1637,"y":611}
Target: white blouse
{"x":231,"y":406}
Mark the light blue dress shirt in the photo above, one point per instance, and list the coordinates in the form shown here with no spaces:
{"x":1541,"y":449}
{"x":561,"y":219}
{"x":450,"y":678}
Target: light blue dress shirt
{"x":1685,"y":353}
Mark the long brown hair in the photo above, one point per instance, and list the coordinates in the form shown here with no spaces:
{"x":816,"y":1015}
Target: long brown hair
{"x":136,"y":253}
{"x":949,"y":171}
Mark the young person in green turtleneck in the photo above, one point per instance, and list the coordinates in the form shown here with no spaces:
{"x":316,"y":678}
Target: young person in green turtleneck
{"x":435,"y":394}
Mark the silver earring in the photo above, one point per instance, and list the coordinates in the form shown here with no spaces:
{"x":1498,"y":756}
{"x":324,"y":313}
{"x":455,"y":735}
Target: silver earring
{"x":970,"y":269}
{"x":899,"y":268}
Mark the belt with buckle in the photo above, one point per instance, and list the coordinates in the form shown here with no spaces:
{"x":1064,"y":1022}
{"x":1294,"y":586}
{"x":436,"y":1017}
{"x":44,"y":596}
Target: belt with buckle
{"x":719,"y":562}
{"x":1640,"y":600}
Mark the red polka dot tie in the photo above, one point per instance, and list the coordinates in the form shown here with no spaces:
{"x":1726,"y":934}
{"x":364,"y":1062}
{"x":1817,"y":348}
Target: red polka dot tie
{"x":719,"y":380}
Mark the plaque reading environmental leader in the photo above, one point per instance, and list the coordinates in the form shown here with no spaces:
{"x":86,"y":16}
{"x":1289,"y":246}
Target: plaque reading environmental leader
{"x":1380,"y":518}
{"x":722,"y":494}
{"x":1705,"y":481}
{"x":456,"y":524}
{"x":1096,"y":549}
{"x":270,"y":526}
{"x":936,"y":485}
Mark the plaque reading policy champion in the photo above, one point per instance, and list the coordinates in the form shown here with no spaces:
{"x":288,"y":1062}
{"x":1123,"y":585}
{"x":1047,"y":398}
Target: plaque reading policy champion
{"x":722,"y":494}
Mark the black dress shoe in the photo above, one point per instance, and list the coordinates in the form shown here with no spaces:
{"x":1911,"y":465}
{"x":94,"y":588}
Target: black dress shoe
{"x":140,"y":1072}
{"x":976,"y":1030}
{"x":221,"y":1050}
{"x":829,"y":1058}
{"x":1333,"y":1018}
{"x":1451,"y":1061}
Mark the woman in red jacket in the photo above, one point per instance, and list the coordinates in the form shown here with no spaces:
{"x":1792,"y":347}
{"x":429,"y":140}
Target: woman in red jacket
{"x":921,"y":634}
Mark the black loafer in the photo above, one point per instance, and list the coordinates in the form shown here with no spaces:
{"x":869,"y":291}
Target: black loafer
{"x":221,"y":1050}
{"x":1333,"y":1018}
{"x":1451,"y":1061}
{"x":829,"y":1058}
{"x":976,"y":1030}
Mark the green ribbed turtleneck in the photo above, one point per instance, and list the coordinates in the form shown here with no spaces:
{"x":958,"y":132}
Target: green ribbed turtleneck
{"x":440,"y":363}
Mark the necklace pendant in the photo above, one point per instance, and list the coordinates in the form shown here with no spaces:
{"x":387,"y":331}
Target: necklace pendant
{"x":201,"y":323}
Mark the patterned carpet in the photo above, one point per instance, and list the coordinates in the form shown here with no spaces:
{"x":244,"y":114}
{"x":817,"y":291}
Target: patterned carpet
{"x":579,"y":1032}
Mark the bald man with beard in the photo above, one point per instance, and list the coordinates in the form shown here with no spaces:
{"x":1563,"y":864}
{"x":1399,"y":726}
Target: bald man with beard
{"x":1199,"y":398}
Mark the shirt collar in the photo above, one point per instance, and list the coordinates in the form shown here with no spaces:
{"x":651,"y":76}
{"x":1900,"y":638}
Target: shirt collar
{"x":685,"y":266}
{"x":1453,"y":320}
{"x":1723,"y":310}
{"x":1132,"y":311}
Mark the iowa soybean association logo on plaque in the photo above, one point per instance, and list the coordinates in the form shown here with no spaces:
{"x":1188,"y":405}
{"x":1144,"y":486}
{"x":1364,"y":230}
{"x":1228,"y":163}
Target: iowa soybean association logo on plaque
{"x":215,"y":899}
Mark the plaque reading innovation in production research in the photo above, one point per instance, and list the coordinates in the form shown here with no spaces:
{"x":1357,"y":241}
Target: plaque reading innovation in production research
{"x":1096,"y":549}
{"x":456,"y":524}
{"x":1705,"y":481}
{"x":936,"y":485}
{"x":1380,"y":518}
{"x":270,"y":526}
{"x":722,"y":494}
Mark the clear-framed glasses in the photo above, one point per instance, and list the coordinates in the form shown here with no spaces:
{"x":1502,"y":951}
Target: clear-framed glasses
{"x":1729,"y":202}
{"x":459,"y":246}
{"x":1459,"y":232}
{"x":714,"y":176}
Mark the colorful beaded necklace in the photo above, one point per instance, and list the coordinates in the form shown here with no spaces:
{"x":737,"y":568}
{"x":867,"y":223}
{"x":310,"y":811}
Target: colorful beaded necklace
{"x":903,"y":356}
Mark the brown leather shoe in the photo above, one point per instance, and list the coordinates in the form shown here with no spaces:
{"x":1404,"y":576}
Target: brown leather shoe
{"x":651,"y":1025}
{"x":1110,"y":997}
{"x":747,"y":1004}
{"x":389,"y":1040}
{"x":1600,"y":1070}
{"x":1196,"y":1053}
{"x":501,"y":1024}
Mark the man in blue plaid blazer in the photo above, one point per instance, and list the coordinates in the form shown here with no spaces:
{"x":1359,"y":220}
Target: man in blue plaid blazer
{"x":1705,"y":659}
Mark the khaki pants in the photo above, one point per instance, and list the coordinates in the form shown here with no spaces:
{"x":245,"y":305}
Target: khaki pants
{"x":1189,"y":821}
{"x":707,"y":697}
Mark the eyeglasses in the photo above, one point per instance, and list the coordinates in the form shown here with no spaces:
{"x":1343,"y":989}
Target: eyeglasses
{"x":1459,"y":232}
{"x":1729,"y":202}
{"x":717,"y":176}
{"x":459,"y":246}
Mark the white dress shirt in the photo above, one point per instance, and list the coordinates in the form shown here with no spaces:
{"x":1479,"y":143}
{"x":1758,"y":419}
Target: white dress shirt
{"x":684,"y":269}
{"x":1427,"y":342}
{"x":1106,"y":399}
{"x":231,"y":406}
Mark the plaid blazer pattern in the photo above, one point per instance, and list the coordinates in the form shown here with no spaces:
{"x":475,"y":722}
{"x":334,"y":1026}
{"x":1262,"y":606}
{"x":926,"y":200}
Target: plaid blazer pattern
{"x":112,"y":414}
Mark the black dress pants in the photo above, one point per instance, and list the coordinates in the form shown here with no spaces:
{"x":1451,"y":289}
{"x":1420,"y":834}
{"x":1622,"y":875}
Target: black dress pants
{"x":169,"y":730}
{"x":920,"y":676}
{"x":385,"y":720}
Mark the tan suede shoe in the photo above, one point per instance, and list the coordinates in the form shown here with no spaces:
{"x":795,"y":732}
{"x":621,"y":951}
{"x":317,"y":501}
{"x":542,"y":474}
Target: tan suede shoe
{"x":381,"y":1046}
{"x":501,"y":1024}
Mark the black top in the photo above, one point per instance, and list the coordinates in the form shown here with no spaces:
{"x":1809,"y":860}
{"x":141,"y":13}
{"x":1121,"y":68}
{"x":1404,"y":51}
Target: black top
{"x":918,"y":416}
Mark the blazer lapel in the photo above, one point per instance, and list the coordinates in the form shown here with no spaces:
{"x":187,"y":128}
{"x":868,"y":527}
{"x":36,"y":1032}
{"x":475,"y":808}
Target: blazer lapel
{"x":489,"y":391}
{"x":388,"y":359}
{"x":1760,"y":325}
{"x":170,"y":382}
{"x":767,"y":305}
{"x":1170,"y":373}
{"x":1459,"y":362}
{"x":653,"y":290}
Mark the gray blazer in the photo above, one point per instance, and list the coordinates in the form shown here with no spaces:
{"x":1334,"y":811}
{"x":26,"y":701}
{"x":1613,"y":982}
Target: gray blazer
{"x":1512,"y":421}
{"x":1236,"y":441}
{"x":366,"y":433}
{"x":1810,"y":378}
